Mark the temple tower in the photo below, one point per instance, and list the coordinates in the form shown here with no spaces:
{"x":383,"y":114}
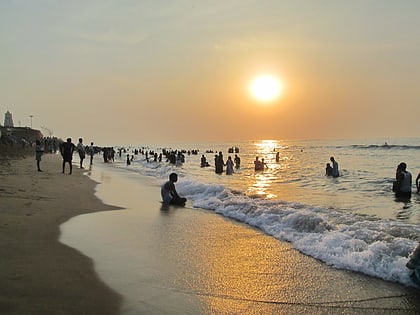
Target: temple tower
{"x":8,"y":119}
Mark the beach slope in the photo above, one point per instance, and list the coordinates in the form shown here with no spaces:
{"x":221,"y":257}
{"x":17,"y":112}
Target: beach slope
{"x":38,"y":274}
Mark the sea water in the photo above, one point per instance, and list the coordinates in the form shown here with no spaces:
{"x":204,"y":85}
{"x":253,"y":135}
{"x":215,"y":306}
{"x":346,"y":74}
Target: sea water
{"x":351,"y":222}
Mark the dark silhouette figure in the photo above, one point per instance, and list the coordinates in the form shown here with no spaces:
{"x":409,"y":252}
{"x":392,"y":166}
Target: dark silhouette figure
{"x":218,"y":163}
{"x":38,"y":154}
{"x":237,"y":161}
{"x":328,"y":170}
{"x":82,"y":151}
{"x":66,"y":149}
{"x":169,"y":193}
{"x":403,"y":182}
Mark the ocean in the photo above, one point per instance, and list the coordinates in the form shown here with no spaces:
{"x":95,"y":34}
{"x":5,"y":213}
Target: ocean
{"x":352,"y":222}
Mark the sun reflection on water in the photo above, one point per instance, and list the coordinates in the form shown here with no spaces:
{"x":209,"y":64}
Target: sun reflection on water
{"x":276,"y":162}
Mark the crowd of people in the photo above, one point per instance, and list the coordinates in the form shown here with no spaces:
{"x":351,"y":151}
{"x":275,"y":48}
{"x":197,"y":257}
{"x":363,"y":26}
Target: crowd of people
{"x":66,"y":149}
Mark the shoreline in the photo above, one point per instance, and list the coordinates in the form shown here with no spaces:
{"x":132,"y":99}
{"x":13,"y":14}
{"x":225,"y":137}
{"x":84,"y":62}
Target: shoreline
{"x":38,"y":273}
{"x":192,"y":261}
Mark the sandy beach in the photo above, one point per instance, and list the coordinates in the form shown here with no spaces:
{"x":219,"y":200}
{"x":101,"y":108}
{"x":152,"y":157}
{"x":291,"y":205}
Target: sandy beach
{"x":38,"y":274}
{"x":159,"y":260}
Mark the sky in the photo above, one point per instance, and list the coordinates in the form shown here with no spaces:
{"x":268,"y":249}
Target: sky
{"x":178,"y":71}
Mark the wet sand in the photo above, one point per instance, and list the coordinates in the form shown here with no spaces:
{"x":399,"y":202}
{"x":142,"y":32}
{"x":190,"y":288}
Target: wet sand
{"x":38,"y":274}
{"x":170,"y":260}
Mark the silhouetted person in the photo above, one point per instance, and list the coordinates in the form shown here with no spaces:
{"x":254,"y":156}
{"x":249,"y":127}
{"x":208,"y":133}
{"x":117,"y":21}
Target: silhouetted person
{"x":38,"y":154}
{"x":403,"y":182}
{"x":229,"y":166}
{"x":218,"y":163}
{"x":66,"y":150}
{"x":91,"y":152}
{"x":259,"y":165}
{"x":82,"y":151}
{"x":169,"y":193}
{"x":203,"y":161}
{"x":237,"y":161}
{"x":335,"y":172}
{"x":328,"y":170}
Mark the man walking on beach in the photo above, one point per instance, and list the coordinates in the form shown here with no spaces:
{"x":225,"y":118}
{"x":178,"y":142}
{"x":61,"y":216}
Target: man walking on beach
{"x":91,"y":152}
{"x":66,"y":150}
{"x":38,"y":154}
{"x":169,"y":193}
{"x":81,"y":150}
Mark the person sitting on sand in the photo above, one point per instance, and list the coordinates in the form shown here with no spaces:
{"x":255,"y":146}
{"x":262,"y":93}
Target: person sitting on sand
{"x":169,"y":193}
{"x":414,"y":265}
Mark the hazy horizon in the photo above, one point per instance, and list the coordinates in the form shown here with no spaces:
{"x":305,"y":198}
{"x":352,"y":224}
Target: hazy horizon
{"x":157,"y":72}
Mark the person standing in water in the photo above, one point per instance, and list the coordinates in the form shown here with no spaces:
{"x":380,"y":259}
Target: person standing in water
{"x":335,"y":172}
{"x":169,"y":193}
{"x":403,"y":182}
{"x":229,"y":166}
{"x":328,"y":170}
{"x":257,"y":164}
{"x":218,"y":163}
{"x":237,"y":161}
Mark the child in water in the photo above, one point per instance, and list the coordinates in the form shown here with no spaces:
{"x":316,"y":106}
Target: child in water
{"x":328,"y":170}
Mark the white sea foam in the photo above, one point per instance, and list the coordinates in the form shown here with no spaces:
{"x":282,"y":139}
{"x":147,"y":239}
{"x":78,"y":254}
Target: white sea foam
{"x":371,"y":247}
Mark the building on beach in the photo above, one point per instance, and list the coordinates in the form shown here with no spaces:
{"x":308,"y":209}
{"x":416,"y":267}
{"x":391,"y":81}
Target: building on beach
{"x":8,"y":119}
{"x":17,"y":135}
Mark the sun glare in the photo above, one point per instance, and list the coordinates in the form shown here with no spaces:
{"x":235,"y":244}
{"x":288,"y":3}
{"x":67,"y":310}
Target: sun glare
{"x":266,"y":88}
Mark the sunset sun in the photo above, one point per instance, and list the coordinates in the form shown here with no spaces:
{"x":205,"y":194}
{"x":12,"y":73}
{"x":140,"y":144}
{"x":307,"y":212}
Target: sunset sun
{"x":266,"y":88}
